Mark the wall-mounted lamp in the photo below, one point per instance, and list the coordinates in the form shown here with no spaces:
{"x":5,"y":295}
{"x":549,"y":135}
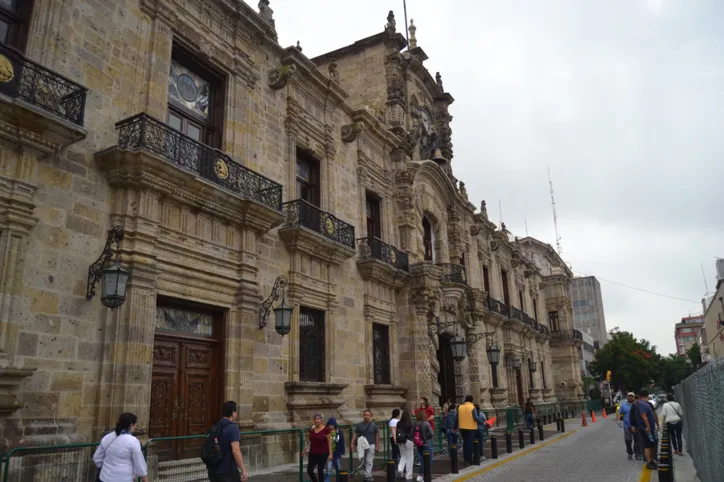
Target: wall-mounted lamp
{"x":532,"y":365}
{"x":114,"y":279}
{"x":282,"y":313}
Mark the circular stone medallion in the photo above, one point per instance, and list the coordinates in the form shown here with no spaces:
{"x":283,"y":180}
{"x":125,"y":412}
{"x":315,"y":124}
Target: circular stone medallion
{"x":221,"y":169}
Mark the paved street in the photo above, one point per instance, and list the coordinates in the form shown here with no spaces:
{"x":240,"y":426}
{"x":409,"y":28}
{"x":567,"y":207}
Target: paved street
{"x":595,"y":454}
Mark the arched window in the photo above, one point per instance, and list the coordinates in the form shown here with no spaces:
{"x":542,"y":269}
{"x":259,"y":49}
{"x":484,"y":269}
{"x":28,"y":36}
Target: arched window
{"x":428,"y":240}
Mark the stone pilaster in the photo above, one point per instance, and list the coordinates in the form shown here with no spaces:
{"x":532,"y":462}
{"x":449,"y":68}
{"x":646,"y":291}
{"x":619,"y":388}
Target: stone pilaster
{"x":161,"y":45}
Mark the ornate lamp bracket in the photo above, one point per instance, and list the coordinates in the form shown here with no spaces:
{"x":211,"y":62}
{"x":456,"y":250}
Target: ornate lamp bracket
{"x":94,"y":270}
{"x":473,"y":338}
{"x":279,"y":285}
{"x":437,"y":328}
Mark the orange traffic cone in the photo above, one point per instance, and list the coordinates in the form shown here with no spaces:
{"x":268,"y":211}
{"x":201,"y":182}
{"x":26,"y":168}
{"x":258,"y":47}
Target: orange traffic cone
{"x":604,"y":413}
{"x":583,"y":420}
{"x":593,"y":416}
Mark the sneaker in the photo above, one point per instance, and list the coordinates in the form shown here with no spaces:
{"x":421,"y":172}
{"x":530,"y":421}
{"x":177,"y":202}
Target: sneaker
{"x":419,"y":478}
{"x":630,"y":457}
{"x":638,"y":457}
{"x":652,"y":465}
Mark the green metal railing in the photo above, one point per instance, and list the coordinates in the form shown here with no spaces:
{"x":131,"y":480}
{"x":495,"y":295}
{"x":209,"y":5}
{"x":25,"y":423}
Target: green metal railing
{"x":57,"y":463}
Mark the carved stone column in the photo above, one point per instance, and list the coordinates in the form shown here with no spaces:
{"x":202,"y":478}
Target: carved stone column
{"x":161,"y":45}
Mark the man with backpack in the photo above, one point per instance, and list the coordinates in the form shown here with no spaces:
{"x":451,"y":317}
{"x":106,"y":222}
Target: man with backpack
{"x":221,"y":452}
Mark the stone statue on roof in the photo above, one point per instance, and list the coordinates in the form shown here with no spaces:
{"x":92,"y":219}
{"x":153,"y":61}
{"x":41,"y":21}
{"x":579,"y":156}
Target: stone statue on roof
{"x":438,"y":80}
{"x":391,"y":26}
{"x":413,"y":40}
{"x":265,"y":12}
{"x":333,"y":73}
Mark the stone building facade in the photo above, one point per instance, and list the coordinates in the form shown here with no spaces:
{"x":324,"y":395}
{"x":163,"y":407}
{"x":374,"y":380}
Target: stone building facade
{"x":229,"y":161}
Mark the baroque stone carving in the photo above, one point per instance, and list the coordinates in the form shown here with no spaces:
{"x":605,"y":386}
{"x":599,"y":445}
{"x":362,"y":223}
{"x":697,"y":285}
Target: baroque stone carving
{"x":349,"y":131}
{"x":333,"y":74}
{"x":484,"y":209}
{"x":413,"y":40}
{"x":391,"y":26}
{"x":463,"y":191}
{"x":266,"y":13}
{"x":438,"y":81}
{"x":278,"y":78}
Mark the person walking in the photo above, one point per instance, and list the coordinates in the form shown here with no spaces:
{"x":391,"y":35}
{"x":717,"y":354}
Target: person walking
{"x":320,"y":449}
{"x":629,"y":437}
{"x":468,"y":426}
{"x":529,"y":412}
{"x":451,"y":422}
{"x":429,"y":416}
{"x":337,"y":437}
{"x":119,"y":457}
{"x":422,"y":436}
{"x":672,"y":415}
{"x":482,"y":428}
{"x":403,"y":436}
{"x":646,"y":428}
{"x":393,"y":435}
{"x":366,"y":439}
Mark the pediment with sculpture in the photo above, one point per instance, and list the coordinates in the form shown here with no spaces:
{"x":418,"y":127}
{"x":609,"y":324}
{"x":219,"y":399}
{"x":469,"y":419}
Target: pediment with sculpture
{"x":423,"y":129}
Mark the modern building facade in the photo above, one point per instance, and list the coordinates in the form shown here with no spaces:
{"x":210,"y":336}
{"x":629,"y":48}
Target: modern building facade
{"x":588,"y":312}
{"x":588,"y":353}
{"x":231,"y":176}
{"x":687,"y":333}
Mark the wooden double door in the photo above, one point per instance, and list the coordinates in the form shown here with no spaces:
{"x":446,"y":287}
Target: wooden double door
{"x":446,"y":375}
{"x":185,"y":392}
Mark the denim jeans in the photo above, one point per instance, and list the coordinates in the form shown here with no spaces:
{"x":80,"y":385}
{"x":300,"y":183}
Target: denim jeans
{"x":468,"y":437}
{"x":334,"y":466}
{"x":675,"y":430}
{"x":420,"y":450}
{"x":529,"y":420}
{"x":452,"y":437}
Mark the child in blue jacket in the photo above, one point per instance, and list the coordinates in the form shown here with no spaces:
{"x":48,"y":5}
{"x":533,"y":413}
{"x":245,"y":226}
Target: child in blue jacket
{"x":337,"y":449}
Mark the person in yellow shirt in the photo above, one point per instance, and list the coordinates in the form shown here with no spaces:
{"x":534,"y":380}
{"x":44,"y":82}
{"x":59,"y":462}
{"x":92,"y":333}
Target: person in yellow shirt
{"x":468,"y":427}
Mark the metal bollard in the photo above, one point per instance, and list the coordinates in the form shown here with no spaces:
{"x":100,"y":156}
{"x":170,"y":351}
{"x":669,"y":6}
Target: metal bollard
{"x":532,"y":436}
{"x":391,"y":475}
{"x":343,"y":476}
{"x":540,"y":431}
{"x":558,"y":425}
{"x":509,"y":442}
{"x":476,"y":452}
{"x":426,"y":473}
{"x":494,"y":446}
{"x":665,"y":473}
{"x":563,"y":426}
{"x":454,"y":459}
{"x":521,"y":440}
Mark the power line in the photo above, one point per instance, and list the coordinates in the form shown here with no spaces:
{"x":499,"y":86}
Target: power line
{"x":638,"y":289}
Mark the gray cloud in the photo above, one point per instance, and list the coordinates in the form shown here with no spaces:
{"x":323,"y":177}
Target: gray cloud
{"x":622,"y":100}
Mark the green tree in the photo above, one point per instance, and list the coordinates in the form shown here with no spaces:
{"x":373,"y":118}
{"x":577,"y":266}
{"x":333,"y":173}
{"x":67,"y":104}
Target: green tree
{"x":632,"y":362}
{"x":672,"y":370}
{"x":694,"y":355}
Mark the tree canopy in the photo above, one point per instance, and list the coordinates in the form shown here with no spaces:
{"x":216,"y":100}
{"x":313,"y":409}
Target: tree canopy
{"x":634,"y":364}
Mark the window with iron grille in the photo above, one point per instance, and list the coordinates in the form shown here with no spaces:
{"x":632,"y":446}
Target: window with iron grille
{"x":311,"y":345}
{"x":14,"y":22}
{"x":381,"y":353}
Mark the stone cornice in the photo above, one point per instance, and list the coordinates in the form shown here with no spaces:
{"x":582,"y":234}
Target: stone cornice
{"x":299,"y":238}
{"x":381,"y":272}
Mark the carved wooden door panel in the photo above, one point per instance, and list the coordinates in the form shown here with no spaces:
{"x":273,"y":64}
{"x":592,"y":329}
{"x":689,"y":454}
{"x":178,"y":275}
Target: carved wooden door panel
{"x":164,"y":394}
{"x":519,"y":383}
{"x":198,"y":394}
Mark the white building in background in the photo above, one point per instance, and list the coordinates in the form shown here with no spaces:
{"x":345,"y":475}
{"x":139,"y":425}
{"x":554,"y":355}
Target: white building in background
{"x":588,"y":314}
{"x":588,"y":352}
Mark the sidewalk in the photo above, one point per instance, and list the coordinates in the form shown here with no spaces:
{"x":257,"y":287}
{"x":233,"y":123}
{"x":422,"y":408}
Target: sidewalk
{"x":684,"y":470}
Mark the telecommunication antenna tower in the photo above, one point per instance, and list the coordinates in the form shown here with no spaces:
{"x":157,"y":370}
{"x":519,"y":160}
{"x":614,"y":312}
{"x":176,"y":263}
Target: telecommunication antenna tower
{"x":555,"y":216}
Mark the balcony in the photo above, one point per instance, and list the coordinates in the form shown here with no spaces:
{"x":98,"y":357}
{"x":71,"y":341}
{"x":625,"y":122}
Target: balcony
{"x":498,"y":307}
{"x":543,"y":330}
{"x":567,"y":335}
{"x":382,"y":262}
{"x":41,"y":101}
{"x":516,"y":314}
{"x":317,"y":233}
{"x":453,"y":273}
{"x":150,"y":151}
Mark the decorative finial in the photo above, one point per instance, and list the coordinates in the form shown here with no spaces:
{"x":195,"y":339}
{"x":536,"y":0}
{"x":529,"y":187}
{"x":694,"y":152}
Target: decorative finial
{"x":413,"y":40}
{"x":438,"y":79}
{"x":333,"y":74}
{"x":391,"y":26}
{"x":462,"y":190}
{"x":502,"y":226}
{"x":265,"y":12}
{"x":299,"y":46}
{"x":484,"y":208}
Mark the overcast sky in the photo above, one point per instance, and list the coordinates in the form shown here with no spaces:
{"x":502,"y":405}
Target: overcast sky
{"x":623,"y":99}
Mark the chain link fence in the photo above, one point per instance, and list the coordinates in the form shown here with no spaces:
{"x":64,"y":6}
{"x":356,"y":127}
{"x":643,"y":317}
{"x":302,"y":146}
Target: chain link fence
{"x":701,"y":397}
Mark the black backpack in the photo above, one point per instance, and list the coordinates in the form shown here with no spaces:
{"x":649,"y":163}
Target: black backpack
{"x":211,"y":451}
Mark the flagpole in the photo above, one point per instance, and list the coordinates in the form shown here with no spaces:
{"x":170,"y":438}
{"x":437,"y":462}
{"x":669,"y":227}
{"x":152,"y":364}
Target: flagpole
{"x":407,"y":35}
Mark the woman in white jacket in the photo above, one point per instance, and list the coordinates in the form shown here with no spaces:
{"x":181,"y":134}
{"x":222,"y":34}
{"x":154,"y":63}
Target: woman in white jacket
{"x":673,"y":416}
{"x":119,"y":457}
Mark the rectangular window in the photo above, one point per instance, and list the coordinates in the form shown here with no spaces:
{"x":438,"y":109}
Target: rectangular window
{"x":381,"y":353}
{"x":14,"y":22}
{"x":535,"y":309}
{"x":522,"y":300}
{"x":372,"y":212}
{"x":506,"y":288}
{"x":486,"y":280}
{"x":195,"y":99}
{"x":553,"y":320}
{"x":307,"y":178}
{"x":543,"y":374}
{"x":311,"y":345}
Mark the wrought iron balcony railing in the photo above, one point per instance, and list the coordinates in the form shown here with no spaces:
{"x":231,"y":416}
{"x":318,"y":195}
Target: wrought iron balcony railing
{"x":529,"y":320}
{"x":516,"y":314}
{"x":302,"y":213}
{"x":375,"y":248}
{"x":567,"y":335}
{"x":23,"y":79}
{"x":499,"y":307}
{"x":453,"y":273}
{"x":543,"y":329}
{"x":144,"y":132}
